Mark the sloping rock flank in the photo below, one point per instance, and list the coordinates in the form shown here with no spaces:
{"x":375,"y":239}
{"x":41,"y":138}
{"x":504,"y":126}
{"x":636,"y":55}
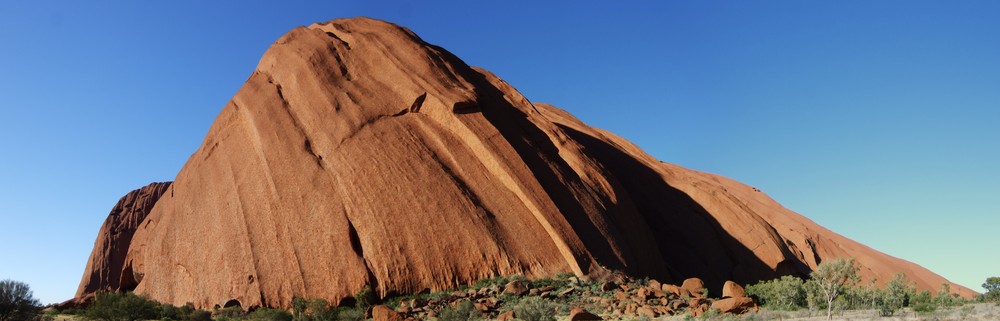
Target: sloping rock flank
{"x":357,"y":154}
{"x":106,"y":269}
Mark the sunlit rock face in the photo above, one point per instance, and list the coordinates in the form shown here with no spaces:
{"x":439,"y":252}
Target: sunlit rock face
{"x":356,"y":154}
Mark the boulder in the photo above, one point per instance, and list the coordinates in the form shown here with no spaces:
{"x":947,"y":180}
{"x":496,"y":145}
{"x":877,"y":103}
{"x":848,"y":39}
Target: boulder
{"x":645,"y":311}
{"x":732,"y":290}
{"x":694,"y":287}
{"x":734,"y":305}
{"x":506,"y":316}
{"x":384,"y":313}
{"x":671,"y":289}
{"x":580,"y":314}
{"x":515,"y":288}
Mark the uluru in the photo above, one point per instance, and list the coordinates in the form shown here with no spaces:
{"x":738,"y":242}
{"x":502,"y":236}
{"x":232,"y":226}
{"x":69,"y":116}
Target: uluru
{"x":357,"y":154}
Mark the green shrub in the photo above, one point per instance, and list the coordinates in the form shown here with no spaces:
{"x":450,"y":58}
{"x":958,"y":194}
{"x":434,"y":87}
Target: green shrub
{"x":786,"y":293}
{"x":558,"y":284}
{"x":922,"y":302}
{"x":464,"y":311}
{"x":536,"y":309}
{"x":199,"y":315}
{"x":268,"y":314}
{"x":350,"y":314}
{"x":711,"y":314}
{"x":166,"y":312}
{"x":115,"y":306}
{"x":50,"y":315}
{"x":233,"y":313}
{"x":312,"y":310}
{"x":895,"y":296}
{"x":365,"y":298}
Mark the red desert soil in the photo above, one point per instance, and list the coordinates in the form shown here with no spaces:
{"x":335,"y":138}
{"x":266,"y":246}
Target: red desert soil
{"x":358,"y":154}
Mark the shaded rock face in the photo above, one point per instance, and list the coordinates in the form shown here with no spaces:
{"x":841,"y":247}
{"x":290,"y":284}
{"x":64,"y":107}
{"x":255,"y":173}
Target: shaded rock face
{"x":106,"y":269}
{"x":357,"y":154}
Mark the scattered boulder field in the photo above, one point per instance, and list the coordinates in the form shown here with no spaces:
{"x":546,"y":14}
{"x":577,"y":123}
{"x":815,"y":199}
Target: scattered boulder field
{"x":618,"y":297}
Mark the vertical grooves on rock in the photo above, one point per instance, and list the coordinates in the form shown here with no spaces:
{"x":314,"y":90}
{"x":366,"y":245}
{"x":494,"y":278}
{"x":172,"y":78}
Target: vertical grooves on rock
{"x":286,"y":106}
{"x":258,"y":146}
{"x":250,"y":246}
{"x":338,"y":56}
{"x":499,"y":170}
{"x":358,"y":249}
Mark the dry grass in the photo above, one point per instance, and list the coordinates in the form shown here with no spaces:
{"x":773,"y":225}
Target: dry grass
{"x":969,"y":312}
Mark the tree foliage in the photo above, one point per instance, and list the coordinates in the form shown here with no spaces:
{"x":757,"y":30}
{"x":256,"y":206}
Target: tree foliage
{"x":833,"y":278}
{"x":17,"y":302}
{"x":992,"y":286}
{"x":786,"y":293}
{"x":895,"y":296}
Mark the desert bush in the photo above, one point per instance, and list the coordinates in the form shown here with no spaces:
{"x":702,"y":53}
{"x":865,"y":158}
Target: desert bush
{"x":464,"y":311}
{"x":312,"y":310}
{"x":17,"y":302}
{"x":166,"y":312}
{"x":557,"y":283}
{"x":116,"y":306}
{"x":944,"y":297}
{"x":923,"y":302}
{"x":992,"y":286}
{"x":536,"y":309}
{"x":268,"y":314}
{"x":498,"y":281}
{"x":350,"y":314}
{"x":231,"y":313}
{"x":199,"y":315}
{"x":50,"y":314}
{"x":863,"y":297}
{"x":895,"y":296}
{"x":187,"y":312}
{"x":365,"y":298}
{"x":786,"y":293}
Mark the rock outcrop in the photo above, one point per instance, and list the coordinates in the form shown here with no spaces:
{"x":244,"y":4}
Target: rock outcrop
{"x":106,"y":269}
{"x":356,"y":154}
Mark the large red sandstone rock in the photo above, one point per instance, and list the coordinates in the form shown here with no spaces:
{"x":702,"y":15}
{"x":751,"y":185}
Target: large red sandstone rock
{"x":733,"y":290}
{"x":106,"y":269}
{"x":357,"y":154}
{"x":384,"y":313}
{"x":693,"y":287}
{"x":735,"y":305}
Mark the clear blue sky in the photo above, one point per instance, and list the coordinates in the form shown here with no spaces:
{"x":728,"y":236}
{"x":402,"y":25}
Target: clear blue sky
{"x":877,"y":119}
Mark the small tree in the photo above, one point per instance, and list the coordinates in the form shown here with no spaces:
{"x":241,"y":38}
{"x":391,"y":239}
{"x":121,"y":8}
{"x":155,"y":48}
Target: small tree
{"x":833,"y":278}
{"x":17,"y":302}
{"x":944,"y":297}
{"x":992,"y":286}
{"x":895,"y":295}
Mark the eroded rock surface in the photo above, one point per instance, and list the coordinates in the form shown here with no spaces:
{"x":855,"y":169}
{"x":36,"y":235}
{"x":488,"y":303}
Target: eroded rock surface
{"x":106,"y":269}
{"x":356,"y":154}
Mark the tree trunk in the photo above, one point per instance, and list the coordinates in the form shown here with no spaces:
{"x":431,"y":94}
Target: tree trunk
{"x":829,"y":309}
